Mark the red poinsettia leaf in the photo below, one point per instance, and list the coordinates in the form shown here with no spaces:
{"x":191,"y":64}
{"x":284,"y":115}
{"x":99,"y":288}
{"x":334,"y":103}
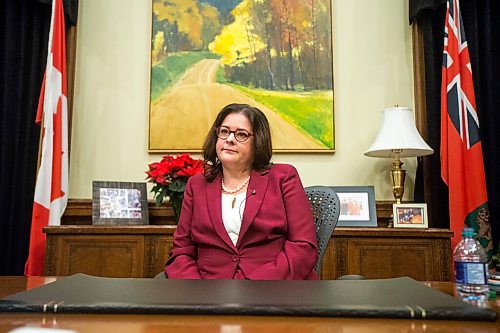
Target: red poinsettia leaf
{"x":191,"y":170}
{"x":153,"y":165}
{"x":163,"y":168}
{"x":167,"y":158}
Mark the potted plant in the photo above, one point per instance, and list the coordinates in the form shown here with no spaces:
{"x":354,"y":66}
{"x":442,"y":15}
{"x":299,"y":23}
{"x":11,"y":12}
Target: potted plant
{"x":170,"y":177}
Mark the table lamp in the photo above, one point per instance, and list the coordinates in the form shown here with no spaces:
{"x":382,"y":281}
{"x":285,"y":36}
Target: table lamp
{"x":398,"y":137}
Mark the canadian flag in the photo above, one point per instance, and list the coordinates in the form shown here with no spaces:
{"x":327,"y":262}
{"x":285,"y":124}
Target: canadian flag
{"x":51,"y":191}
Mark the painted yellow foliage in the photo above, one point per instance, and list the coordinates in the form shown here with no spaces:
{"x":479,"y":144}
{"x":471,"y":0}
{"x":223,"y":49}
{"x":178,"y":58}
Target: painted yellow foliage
{"x":211,"y":22}
{"x":237,"y":43}
{"x":209,"y":12}
{"x":163,"y":12}
{"x":158,"y":45}
{"x":187,"y":15}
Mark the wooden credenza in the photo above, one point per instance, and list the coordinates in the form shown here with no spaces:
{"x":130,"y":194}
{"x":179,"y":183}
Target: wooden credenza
{"x":422,"y":254}
{"x":111,"y":251}
{"x":141,"y":251}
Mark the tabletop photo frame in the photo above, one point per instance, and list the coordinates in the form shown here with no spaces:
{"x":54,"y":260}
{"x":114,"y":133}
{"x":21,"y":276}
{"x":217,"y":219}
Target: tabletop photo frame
{"x":357,"y":206}
{"x":119,"y":203}
{"x":410,"y":215}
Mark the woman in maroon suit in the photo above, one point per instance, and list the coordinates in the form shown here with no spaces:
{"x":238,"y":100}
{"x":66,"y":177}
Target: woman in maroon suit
{"x":244,"y":218}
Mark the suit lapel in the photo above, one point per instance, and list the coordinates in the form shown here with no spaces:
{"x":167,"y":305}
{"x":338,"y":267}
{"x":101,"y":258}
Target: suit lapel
{"x":254,"y":199}
{"x":214,"y":203}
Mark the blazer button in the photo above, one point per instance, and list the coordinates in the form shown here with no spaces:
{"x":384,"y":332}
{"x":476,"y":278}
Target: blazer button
{"x":235,"y":258}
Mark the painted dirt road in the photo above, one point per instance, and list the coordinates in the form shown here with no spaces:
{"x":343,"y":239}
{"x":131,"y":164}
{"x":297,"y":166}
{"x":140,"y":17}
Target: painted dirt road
{"x":192,"y":105}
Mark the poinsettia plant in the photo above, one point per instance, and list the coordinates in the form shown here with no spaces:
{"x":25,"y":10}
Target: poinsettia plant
{"x":170,"y":177}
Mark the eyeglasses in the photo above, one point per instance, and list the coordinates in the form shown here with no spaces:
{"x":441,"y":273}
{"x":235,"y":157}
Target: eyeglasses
{"x":240,"y":135}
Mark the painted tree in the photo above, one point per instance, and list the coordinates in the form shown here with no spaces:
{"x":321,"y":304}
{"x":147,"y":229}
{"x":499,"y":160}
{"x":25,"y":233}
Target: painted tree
{"x":158,"y":47}
{"x":277,"y":44}
{"x":237,"y":44}
{"x":211,"y":24}
{"x":187,"y":24}
{"x":263,"y":23}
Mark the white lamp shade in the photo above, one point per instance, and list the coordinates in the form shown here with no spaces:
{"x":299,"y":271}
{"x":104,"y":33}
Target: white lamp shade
{"x":398,"y":133}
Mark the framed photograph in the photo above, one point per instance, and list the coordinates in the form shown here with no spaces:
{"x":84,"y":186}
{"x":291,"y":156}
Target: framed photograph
{"x":119,"y":203}
{"x":274,"y":55}
{"x":357,"y":206}
{"x":410,"y":215}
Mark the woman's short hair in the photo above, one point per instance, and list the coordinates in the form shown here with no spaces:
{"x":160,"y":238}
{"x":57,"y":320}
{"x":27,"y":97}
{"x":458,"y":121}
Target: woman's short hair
{"x":262,"y":139}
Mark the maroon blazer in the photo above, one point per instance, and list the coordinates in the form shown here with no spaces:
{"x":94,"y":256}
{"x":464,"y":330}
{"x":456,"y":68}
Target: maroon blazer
{"x":277,"y":240}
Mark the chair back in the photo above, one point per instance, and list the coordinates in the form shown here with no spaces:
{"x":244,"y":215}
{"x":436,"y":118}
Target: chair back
{"x":325,"y":206}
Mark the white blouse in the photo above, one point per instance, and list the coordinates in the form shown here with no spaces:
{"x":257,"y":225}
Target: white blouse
{"x":233,"y":213}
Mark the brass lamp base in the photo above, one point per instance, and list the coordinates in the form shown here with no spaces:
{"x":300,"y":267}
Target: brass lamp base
{"x":398,"y":180}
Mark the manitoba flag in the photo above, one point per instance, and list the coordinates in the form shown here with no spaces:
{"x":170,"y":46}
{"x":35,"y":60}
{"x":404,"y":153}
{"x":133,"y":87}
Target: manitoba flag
{"x":51,"y":191}
{"x":462,"y":167}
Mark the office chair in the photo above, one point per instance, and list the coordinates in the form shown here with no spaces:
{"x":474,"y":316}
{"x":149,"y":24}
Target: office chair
{"x":325,"y":205}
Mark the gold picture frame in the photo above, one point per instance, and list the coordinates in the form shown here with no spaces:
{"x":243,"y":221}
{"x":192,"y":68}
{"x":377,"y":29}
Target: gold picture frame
{"x":206,"y":55}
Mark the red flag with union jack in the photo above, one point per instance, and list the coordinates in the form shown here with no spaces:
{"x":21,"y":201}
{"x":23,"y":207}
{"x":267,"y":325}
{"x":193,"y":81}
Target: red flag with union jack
{"x":462,"y":167}
{"x":51,"y":191}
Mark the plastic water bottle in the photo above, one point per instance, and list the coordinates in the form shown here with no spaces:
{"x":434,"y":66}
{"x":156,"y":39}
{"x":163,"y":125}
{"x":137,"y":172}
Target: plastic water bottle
{"x":471,"y":270}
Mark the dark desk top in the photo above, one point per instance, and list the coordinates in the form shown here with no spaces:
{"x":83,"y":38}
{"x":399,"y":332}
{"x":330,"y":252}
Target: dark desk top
{"x":224,"y":323}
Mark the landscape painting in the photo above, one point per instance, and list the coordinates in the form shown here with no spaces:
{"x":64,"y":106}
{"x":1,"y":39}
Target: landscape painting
{"x":276,"y":55}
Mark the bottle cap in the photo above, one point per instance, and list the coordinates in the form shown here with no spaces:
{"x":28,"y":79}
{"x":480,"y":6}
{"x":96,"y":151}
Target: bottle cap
{"x":469,"y":232}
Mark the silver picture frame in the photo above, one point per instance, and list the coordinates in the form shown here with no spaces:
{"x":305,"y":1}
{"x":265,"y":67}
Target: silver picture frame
{"x":119,"y":203}
{"x":357,"y":206}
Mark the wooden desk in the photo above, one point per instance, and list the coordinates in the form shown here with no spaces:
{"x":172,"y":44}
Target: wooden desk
{"x":141,"y":251}
{"x":224,"y":324}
